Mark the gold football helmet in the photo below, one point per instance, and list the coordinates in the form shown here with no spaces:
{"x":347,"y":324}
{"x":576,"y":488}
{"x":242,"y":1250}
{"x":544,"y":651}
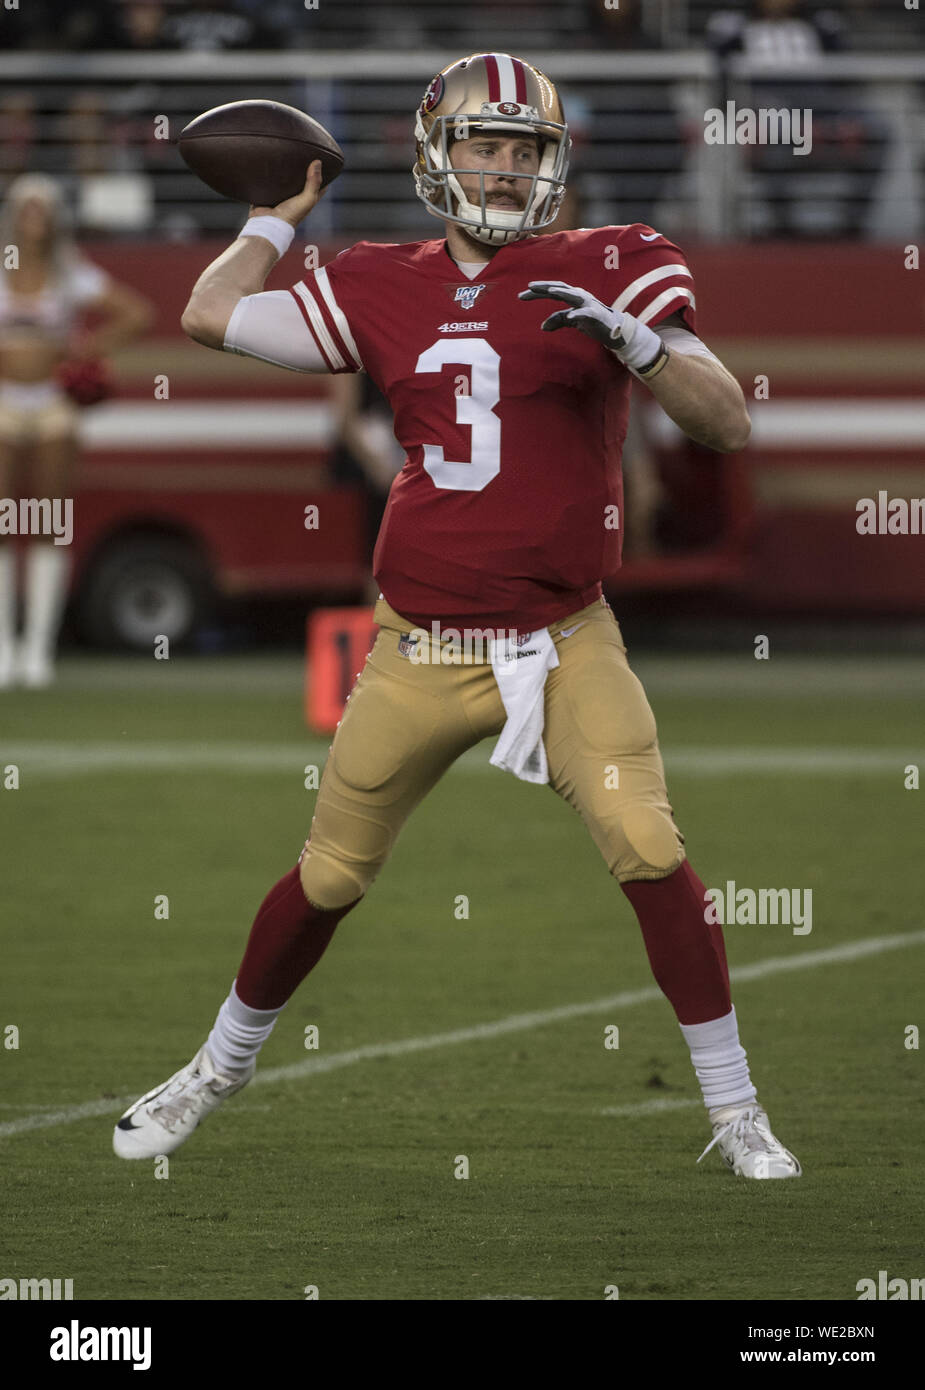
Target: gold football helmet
{"x":490,"y":92}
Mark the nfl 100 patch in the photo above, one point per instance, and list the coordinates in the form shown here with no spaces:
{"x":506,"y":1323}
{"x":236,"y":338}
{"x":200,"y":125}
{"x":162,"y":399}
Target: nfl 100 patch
{"x":466,"y":296}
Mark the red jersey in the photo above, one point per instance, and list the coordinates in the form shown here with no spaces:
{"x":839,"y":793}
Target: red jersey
{"x":504,"y":512}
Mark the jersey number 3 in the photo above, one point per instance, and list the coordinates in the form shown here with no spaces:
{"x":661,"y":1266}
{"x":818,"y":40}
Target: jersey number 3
{"x":476,"y":410}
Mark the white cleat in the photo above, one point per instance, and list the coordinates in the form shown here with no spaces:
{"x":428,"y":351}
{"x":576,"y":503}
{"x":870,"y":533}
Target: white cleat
{"x":743,"y":1135}
{"x":165,"y":1118}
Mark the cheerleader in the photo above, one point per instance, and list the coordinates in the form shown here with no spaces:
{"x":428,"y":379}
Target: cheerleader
{"x":45,"y":288}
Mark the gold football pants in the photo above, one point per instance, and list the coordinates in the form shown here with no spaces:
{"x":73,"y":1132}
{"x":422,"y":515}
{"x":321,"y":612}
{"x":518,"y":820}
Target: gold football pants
{"x":406,"y":722}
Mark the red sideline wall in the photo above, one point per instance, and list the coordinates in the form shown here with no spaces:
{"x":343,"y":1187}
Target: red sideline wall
{"x":814,"y":291}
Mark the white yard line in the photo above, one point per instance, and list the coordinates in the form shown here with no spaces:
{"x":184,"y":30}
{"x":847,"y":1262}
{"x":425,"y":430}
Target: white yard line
{"x":691,"y":675}
{"x":514,"y":1023}
{"x":52,"y":760}
{"x":648,"y":1107}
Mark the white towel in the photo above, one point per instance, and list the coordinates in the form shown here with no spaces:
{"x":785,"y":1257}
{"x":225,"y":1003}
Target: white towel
{"x":521,"y":669}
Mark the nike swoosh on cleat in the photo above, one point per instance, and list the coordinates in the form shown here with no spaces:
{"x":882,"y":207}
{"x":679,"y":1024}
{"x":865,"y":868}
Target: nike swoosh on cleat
{"x":126,"y":1123}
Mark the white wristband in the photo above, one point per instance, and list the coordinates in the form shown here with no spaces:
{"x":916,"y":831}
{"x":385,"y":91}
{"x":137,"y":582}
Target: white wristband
{"x":640,"y":344}
{"x":275,"y":230}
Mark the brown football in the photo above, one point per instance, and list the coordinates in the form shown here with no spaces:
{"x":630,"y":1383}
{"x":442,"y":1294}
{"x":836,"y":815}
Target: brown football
{"x":258,"y":151}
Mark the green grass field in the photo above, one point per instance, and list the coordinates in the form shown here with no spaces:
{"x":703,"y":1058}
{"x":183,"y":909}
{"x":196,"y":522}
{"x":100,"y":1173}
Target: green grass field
{"x":336,"y":1167}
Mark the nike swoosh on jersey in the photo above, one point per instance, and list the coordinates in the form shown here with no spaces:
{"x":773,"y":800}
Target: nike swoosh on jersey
{"x":653,"y":237}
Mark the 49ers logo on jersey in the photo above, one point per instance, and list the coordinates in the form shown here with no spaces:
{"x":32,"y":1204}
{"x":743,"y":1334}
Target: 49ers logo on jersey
{"x":466,"y":296}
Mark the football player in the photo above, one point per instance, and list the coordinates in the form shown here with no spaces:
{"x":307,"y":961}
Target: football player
{"x":503,"y":520}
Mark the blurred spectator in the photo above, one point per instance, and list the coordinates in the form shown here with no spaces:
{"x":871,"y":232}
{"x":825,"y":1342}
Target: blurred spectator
{"x":779,"y":33}
{"x":641,"y":125}
{"x":18,"y":131}
{"x":286,"y":19}
{"x":848,"y":140}
{"x":203,"y":26}
{"x":139,"y":24}
{"x":92,"y":24}
{"x":84,"y":127}
{"x":105,"y":145}
{"x":621,"y":28}
{"x":76,"y":26}
{"x":32,"y":25}
{"x":212,"y":26}
{"x":479,"y":25}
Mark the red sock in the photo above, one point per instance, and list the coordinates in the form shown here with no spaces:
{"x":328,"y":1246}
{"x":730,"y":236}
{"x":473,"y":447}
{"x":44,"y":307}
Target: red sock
{"x":686,"y":952}
{"x":287,"y":940}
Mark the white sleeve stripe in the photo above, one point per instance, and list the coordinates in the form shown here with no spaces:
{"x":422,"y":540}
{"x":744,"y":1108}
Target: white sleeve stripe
{"x":660,"y":300}
{"x":644,"y":281}
{"x":340,"y":318}
{"x":319,"y":328}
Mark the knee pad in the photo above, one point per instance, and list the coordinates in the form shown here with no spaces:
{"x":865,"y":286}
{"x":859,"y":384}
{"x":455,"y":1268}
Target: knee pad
{"x":329,"y":882}
{"x":651,"y":835}
{"x":652,"y":844}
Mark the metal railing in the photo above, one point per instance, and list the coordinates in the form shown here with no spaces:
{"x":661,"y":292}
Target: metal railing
{"x":637,"y":119}
{"x":862,"y":175}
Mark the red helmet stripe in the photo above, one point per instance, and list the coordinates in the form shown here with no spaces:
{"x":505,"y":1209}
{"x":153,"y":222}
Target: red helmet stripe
{"x":520,"y":78}
{"x":494,"y":80}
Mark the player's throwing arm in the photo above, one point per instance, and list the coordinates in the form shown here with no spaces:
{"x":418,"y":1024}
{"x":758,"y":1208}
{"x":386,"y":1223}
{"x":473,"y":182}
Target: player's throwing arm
{"x":243,"y":268}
